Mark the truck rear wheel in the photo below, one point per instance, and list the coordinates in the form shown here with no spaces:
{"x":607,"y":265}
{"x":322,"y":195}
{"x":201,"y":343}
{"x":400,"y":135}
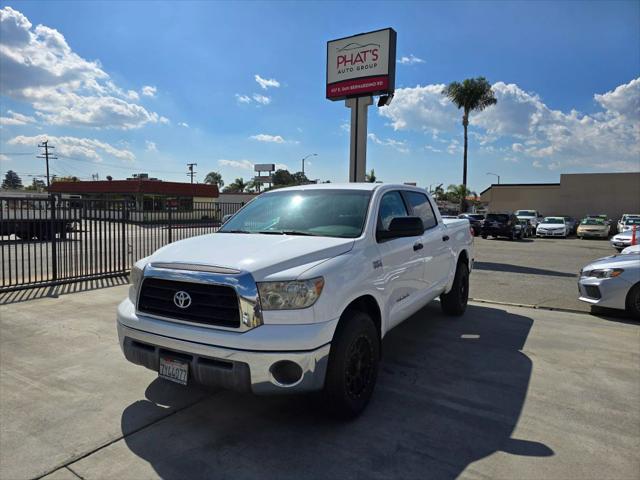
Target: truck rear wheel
{"x":454,"y":303}
{"x":353,"y":365}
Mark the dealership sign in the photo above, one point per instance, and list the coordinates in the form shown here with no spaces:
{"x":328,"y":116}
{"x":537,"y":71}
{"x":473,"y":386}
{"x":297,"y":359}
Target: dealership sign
{"x":363,"y":64}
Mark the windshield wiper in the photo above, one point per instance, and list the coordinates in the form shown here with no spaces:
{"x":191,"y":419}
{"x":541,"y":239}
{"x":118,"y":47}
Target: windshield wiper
{"x":233,"y":231}
{"x":288,"y":232}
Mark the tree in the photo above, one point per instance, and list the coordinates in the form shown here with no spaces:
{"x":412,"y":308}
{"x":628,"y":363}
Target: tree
{"x":12,"y":181}
{"x":472,"y":95}
{"x":238,"y":186}
{"x":71,"y":178}
{"x":109,"y":178}
{"x":458,"y":193}
{"x":299,"y":178}
{"x":36,"y":186}
{"x":282,"y":177}
{"x":370,"y":177}
{"x":214,"y":178}
{"x":439,"y":193}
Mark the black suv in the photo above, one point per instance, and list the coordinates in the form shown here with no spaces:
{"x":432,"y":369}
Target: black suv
{"x":501,"y":225}
{"x":475,"y":220}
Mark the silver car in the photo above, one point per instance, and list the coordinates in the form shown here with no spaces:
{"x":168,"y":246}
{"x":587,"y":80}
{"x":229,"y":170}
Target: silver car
{"x":623,"y":240}
{"x":612,"y":282}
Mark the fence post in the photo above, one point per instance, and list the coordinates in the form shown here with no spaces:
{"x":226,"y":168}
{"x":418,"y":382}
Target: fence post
{"x":54,"y":240}
{"x":123,"y":235}
{"x":170,"y":231}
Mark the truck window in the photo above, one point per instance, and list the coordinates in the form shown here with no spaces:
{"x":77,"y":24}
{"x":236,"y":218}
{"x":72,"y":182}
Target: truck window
{"x":422,"y":208}
{"x":391,"y":206}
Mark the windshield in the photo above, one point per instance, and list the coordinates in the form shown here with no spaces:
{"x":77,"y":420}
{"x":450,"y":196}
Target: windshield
{"x":498,"y":217}
{"x":632,"y":221}
{"x":592,"y":221}
{"x":553,"y":220}
{"x":525,"y":213}
{"x":326,"y":213}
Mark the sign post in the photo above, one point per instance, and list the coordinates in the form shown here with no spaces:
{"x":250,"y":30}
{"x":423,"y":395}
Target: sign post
{"x":359,"y":67}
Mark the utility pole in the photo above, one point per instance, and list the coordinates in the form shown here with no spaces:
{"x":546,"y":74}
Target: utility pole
{"x":47,"y":156}
{"x":191,"y":173}
{"x":310,"y":155}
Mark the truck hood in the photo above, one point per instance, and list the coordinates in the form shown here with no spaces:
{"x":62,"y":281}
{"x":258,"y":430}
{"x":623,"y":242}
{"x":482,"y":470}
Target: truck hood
{"x":266,"y":257}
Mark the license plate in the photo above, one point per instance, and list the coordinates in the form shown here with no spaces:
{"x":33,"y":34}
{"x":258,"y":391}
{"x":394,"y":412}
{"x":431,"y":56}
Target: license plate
{"x":618,"y":244}
{"x":174,"y":370}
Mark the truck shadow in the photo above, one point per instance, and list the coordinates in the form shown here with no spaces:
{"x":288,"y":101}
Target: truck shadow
{"x":450,"y":392}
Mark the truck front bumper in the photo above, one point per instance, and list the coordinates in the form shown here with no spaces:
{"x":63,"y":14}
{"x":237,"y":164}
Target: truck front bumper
{"x":258,"y":361}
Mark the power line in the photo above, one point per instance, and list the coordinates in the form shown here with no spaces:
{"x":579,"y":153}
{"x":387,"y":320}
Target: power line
{"x":191,"y":173}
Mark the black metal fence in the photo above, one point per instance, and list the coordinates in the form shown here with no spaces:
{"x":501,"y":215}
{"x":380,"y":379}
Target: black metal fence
{"x":53,"y":240}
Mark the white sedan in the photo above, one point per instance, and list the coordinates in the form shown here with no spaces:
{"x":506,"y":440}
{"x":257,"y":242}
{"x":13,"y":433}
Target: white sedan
{"x":612,"y":282}
{"x":624,"y":239}
{"x":552,"y":227}
{"x":623,"y":223}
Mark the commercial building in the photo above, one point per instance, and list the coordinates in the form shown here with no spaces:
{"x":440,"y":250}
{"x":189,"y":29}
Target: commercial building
{"x":576,"y":195}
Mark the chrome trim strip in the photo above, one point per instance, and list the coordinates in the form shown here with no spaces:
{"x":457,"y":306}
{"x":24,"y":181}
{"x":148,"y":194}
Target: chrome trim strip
{"x":195,"y":267}
{"x":243,"y":283}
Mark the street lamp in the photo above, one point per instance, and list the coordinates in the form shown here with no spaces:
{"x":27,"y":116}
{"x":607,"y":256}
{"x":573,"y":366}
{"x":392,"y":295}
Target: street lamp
{"x":489,"y":173}
{"x":310,"y":155}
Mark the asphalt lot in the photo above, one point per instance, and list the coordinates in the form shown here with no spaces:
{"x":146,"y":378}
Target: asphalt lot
{"x":541,"y":272}
{"x":502,"y":392}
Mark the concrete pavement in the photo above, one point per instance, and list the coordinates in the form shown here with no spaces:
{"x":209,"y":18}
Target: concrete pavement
{"x":502,"y":392}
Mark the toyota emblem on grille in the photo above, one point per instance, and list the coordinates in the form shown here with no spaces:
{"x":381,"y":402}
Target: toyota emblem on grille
{"x":182,"y":299}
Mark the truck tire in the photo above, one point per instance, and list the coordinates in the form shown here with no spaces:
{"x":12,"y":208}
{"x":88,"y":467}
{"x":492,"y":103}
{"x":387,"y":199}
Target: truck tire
{"x":633,"y":301}
{"x":353,"y":365}
{"x":454,"y":303}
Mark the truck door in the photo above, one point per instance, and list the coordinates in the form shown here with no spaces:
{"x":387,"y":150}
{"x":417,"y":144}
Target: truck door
{"x":402,"y":262}
{"x":437,"y":252}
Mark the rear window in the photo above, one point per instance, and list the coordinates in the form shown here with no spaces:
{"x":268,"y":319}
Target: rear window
{"x":498,"y":217}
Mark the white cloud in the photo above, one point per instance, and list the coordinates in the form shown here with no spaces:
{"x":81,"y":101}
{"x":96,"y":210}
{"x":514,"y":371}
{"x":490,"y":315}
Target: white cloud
{"x":454,"y":147}
{"x":606,"y":140}
{"x":151,"y":146}
{"x":263,"y":137}
{"x":244,"y":164}
{"x":261,"y":99}
{"x":410,"y":60}
{"x":266,"y":83}
{"x":183,"y":124}
{"x":243,"y":98}
{"x":421,"y":108}
{"x":149,"y":91}
{"x":39,"y":67}
{"x":433,"y":149}
{"x":537,"y":164}
{"x":4,"y":158}
{"x":345,"y":127}
{"x":15,"y":118}
{"x":76,"y":148}
{"x":400,"y":146}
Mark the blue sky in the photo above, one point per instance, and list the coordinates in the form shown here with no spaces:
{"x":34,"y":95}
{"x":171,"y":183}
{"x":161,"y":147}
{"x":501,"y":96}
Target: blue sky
{"x":230,"y":84}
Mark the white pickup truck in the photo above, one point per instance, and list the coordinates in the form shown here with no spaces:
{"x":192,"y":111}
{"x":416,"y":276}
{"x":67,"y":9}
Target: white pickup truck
{"x":296,"y":291}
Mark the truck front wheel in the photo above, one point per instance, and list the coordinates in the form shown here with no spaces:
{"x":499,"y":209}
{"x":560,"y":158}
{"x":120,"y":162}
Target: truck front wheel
{"x":455,"y":302}
{"x":353,"y":365}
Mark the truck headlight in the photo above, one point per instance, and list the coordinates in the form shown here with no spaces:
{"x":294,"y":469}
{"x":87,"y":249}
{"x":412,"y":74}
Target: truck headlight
{"x":135,"y":279}
{"x":290,"y":295}
{"x":603,"y":272}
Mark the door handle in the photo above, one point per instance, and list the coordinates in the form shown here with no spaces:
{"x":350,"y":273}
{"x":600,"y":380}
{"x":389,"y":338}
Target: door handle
{"x":445,"y":238}
{"x":417,"y":246}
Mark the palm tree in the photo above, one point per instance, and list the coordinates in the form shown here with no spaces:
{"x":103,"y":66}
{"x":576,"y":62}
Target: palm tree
{"x":472,"y":95}
{"x":238,"y":186}
{"x":458,"y":193}
{"x":214,"y":178}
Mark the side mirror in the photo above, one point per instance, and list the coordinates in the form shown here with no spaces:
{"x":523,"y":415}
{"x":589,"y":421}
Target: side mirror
{"x":402,"y":227}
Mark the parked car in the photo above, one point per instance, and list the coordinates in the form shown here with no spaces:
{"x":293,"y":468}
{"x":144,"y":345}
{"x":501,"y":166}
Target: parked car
{"x":475,"y":220}
{"x":552,"y":227}
{"x":295,"y":292}
{"x":533,"y":216}
{"x":501,"y":225}
{"x":624,"y":239}
{"x":601,"y":216}
{"x":628,"y":224}
{"x":593,"y":227}
{"x":631,"y":249}
{"x":612,"y":282}
{"x":572,"y":224}
{"x":624,"y":218}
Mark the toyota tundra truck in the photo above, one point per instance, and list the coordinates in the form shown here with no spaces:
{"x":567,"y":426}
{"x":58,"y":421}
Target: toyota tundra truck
{"x":296,"y":291}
